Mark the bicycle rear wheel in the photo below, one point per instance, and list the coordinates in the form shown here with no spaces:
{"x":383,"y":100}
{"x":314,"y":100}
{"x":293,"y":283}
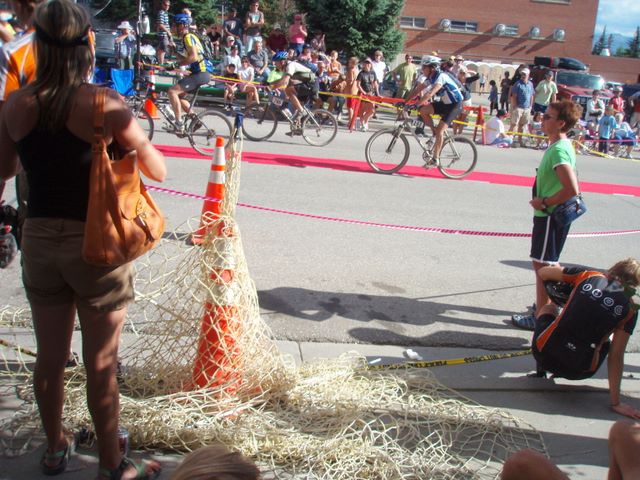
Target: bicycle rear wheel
{"x":319,"y":128}
{"x":139,"y":112}
{"x":458,"y":157}
{"x":259,"y":123}
{"x":387,"y":151}
{"x":204,"y":129}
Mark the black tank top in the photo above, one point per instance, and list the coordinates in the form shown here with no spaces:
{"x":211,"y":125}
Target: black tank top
{"x":58,"y":167}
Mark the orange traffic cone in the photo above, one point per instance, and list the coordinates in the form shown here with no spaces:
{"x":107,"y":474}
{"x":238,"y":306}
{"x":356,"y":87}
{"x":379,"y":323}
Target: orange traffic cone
{"x":215,"y":192}
{"x":149,"y":106}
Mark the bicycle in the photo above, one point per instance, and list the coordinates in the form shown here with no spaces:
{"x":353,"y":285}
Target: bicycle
{"x":317,"y":127}
{"x":387,"y":151}
{"x":200,"y":128}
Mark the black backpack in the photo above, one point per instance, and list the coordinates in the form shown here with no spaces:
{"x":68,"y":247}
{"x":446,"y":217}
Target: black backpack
{"x":576,"y":343}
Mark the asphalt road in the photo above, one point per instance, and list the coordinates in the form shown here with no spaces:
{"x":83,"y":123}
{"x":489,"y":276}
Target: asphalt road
{"x":329,"y":281}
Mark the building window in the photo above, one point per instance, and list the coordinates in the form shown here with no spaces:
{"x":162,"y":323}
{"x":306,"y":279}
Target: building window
{"x":413,"y":22}
{"x":564,"y":2}
{"x":462,"y":26}
{"x":511,"y":30}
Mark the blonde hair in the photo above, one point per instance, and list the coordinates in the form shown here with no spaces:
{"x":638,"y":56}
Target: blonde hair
{"x":216,"y":463}
{"x":64,"y":58}
{"x":626,"y":271}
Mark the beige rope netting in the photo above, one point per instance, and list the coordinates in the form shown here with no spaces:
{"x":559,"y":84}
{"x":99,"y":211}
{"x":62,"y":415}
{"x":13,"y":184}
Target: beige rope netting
{"x":326,"y":419}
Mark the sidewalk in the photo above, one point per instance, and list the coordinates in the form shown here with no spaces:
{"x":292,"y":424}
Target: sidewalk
{"x":572,"y":416}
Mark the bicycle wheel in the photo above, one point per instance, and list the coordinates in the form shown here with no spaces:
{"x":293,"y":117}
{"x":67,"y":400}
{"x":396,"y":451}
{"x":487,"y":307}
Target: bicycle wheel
{"x":319,"y":128}
{"x":458,"y":157}
{"x":259,"y":123}
{"x":139,"y":112}
{"x":203,"y":130}
{"x":387,"y":151}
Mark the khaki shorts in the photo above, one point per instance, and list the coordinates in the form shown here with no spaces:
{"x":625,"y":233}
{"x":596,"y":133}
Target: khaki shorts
{"x":54,"y":273}
{"x":520,"y":117}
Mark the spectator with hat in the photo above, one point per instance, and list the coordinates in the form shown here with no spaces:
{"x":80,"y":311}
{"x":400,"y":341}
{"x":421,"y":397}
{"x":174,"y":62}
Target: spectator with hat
{"x":521,"y":99}
{"x":458,"y":66}
{"x":230,"y":42}
{"x":617,"y":102}
{"x":125,"y":44}
{"x":277,"y":40}
{"x":546,"y":92}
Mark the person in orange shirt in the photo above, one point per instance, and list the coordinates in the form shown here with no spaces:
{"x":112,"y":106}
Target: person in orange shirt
{"x":18,"y":65}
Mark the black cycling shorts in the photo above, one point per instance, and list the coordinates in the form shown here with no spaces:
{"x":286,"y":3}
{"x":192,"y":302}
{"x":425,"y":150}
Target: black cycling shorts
{"x":193,"y":81}
{"x":448,"y":111}
{"x":306,"y":91}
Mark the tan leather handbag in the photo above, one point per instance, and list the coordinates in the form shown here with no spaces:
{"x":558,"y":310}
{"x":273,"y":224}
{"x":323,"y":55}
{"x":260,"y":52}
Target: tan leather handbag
{"x":123,"y":222}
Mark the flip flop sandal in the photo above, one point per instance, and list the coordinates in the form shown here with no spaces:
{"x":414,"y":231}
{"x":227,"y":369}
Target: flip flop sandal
{"x":61,"y":466}
{"x":116,"y":473}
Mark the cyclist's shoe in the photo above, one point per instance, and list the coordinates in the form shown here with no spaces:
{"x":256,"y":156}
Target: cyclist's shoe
{"x":178,"y":128}
{"x":294,"y":132}
{"x":419,"y":130}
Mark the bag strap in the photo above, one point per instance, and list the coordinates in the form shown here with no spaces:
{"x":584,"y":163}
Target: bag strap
{"x":98,"y":114}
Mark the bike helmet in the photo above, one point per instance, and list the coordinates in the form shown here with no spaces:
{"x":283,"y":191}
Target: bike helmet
{"x":182,"y":19}
{"x":431,"y":61}
{"x":281,"y":55}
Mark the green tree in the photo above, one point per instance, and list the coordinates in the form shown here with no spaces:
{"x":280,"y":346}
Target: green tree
{"x":601,"y":44}
{"x":634,"y":45}
{"x":116,"y":11}
{"x":358,"y":27}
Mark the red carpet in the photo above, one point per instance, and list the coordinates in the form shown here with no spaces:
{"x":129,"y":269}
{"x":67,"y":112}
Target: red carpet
{"x":361,"y":166}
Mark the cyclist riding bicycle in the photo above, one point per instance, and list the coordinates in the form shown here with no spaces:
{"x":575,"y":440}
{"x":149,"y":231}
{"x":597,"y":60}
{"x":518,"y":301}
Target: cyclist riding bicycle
{"x":297,"y":81}
{"x":444,"y":98}
{"x":193,"y":58}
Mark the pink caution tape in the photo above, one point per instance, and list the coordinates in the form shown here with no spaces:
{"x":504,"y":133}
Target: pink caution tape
{"x":450,"y":231}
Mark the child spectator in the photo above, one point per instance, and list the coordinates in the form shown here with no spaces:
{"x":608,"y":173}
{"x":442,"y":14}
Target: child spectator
{"x":367,"y":86}
{"x":351,"y":87}
{"x":535,"y":128}
{"x":625,"y":136}
{"x":493,"y":97}
{"x":496,"y":131}
{"x":606,"y":129}
{"x":230,"y":87}
{"x":334,"y":67}
{"x":336,"y":102}
{"x":323,"y":83}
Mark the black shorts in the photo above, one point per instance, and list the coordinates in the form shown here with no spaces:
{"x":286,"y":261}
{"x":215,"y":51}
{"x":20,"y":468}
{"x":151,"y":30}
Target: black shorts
{"x":547,"y":239}
{"x":193,"y":81}
{"x":163,"y":43}
{"x":306,"y":91}
{"x":448,"y":111}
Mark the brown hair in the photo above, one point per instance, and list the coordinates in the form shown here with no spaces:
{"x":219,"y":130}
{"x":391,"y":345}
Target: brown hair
{"x":216,"y":463}
{"x":626,"y":271}
{"x":64,"y":59}
{"x":569,"y":112}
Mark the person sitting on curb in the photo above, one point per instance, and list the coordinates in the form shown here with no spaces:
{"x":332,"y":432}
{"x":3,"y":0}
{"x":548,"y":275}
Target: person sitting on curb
{"x":624,"y":462}
{"x":496,"y":131}
{"x":603,"y":298}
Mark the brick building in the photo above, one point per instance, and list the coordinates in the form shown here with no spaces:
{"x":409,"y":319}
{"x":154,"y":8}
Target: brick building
{"x":511,"y":31}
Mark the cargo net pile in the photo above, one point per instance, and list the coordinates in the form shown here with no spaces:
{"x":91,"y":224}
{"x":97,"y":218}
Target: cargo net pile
{"x":201,"y":366}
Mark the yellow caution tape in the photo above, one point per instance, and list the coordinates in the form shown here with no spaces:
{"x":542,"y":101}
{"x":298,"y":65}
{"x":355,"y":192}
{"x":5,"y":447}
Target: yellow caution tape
{"x":452,"y":361}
